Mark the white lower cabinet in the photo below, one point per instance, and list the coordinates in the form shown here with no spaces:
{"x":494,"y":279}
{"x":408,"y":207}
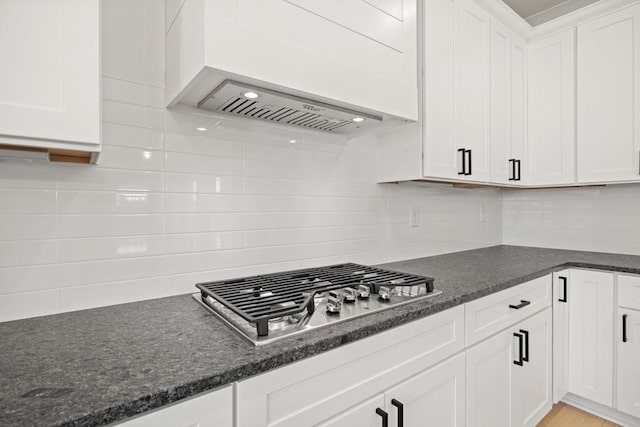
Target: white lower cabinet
{"x":509,"y":375}
{"x":583,"y":335}
{"x":413,"y":365}
{"x":560,"y":334}
{"x":628,"y":345}
{"x":533,"y":391}
{"x":436,"y":395}
{"x":212,"y":409}
{"x":591,"y":335}
{"x":628,"y":337}
{"x":490,"y":381}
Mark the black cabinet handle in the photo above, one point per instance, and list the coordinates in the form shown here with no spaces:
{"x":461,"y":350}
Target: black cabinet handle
{"x":624,"y":328}
{"x":564,"y":289}
{"x":518,"y":162}
{"x":512,"y":162}
{"x":385,"y":417}
{"x":523,"y":303}
{"x":520,"y":361}
{"x":525,"y":355}
{"x":464,"y":161}
{"x":400,"y":407}
{"x":470,"y":163}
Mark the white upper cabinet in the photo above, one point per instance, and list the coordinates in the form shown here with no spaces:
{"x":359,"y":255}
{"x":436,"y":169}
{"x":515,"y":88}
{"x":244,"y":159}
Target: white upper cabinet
{"x":609,"y":97}
{"x":551,"y":146}
{"x":508,"y":105}
{"x":50,"y":74}
{"x":502,"y":166}
{"x":440,"y":147}
{"x":518,"y":110}
{"x":473,"y":91}
{"x":473,"y":96}
{"x":352,"y":53}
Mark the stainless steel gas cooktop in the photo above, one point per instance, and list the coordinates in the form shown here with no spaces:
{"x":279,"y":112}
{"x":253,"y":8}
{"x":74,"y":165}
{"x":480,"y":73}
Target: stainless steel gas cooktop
{"x":268,"y":307}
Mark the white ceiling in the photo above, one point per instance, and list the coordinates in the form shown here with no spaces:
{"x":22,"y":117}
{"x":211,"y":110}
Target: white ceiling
{"x":536,"y":12}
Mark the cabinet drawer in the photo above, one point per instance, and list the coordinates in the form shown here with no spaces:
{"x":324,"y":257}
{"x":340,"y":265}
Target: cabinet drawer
{"x":210,"y":409}
{"x":488,"y":315}
{"x":310,"y":391}
{"x":629,"y":291}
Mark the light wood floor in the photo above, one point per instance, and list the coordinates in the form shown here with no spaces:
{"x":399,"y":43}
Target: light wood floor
{"x":563,"y":415}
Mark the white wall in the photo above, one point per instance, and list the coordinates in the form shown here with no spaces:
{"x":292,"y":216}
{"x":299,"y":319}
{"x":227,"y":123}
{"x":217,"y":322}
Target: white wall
{"x":604,"y":219}
{"x":169,"y":206}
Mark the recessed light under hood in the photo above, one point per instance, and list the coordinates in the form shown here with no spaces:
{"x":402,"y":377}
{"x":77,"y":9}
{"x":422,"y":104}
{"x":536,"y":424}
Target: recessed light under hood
{"x":281,"y":108}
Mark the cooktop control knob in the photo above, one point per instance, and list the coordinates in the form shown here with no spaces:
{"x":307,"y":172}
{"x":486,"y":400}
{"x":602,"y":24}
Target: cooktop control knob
{"x":363,"y":291}
{"x":334,"y":302}
{"x":350,"y":295}
{"x":385,"y":293}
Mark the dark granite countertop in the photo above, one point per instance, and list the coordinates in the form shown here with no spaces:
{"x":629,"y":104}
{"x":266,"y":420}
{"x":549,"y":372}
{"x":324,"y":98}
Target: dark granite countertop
{"x":98,"y":366}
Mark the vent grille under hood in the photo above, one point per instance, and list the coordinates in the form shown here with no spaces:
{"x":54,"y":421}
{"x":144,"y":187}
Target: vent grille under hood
{"x":240,"y":99}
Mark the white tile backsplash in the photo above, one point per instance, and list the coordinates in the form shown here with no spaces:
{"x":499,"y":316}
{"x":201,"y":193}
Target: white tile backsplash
{"x":168,"y":205}
{"x":593,"y":219}
{"x":164,"y":209}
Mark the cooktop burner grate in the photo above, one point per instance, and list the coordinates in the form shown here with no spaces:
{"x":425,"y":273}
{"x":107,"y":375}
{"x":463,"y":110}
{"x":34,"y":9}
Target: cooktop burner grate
{"x":258,"y":299}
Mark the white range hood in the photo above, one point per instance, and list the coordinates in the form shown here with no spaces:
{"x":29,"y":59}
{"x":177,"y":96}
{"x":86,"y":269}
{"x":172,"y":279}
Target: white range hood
{"x":317,"y":65}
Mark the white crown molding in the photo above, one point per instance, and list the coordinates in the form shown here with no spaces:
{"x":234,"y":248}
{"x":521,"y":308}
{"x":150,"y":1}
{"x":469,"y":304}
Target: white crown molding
{"x":557,"y":11}
{"x":578,"y":17}
{"x":507,"y":16}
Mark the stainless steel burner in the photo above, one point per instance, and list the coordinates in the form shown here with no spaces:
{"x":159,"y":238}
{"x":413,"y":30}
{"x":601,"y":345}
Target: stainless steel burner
{"x":266,"y":308}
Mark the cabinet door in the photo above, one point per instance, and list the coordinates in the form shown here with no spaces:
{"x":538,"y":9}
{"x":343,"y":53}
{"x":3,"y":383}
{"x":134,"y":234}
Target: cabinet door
{"x":561,"y":299}
{"x":551,"y":145}
{"x":50,"y":75}
{"x":532,"y":382}
{"x":609,"y":97}
{"x":628,"y":366}
{"x":436,"y":395}
{"x":591,"y":335}
{"x":363,"y":415}
{"x":489,"y":381}
{"x":441,"y":159}
{"x":519,"y":106}
{"x":501,"y":166}
{"x":473,"y":93}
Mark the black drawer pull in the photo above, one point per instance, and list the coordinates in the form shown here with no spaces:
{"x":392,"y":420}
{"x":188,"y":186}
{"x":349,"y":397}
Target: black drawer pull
{"x":400,"y":407}
{"x":470,"y":162}
{"x":513,"y":169}
{"x":385,"y":417}
{"x":519,"y":176}
{"x":523,"y":303}
{"x":624,"y":328}
{"x":520,"y":361}
{"x":464,"y":161}
{"x":564,"y":289}
{"x":525,"y":355}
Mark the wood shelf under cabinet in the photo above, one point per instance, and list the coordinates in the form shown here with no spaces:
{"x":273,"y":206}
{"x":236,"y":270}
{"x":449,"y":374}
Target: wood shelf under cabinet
{"x":55,"y":154}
